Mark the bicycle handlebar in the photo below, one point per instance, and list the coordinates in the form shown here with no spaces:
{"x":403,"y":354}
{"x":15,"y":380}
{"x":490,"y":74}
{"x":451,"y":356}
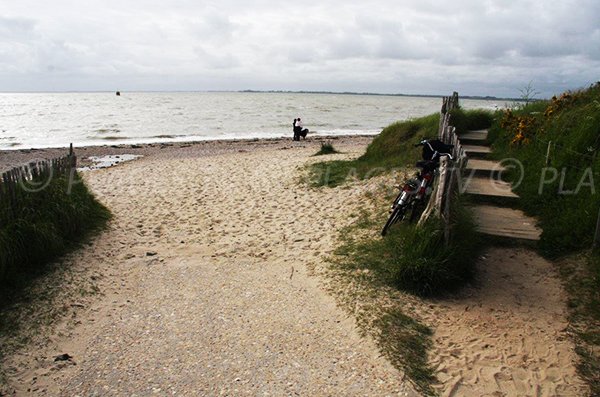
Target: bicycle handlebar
{"x":436,"y":153}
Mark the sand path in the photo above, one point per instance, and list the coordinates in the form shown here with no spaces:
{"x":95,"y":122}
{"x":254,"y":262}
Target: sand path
{"x":506,"y":336}
{"x":204,"y":271}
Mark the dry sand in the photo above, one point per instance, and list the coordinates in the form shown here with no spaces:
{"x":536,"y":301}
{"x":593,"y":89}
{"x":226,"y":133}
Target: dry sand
{"x":507,"y":335}
{"x":204,"y":271}
{"x":205,"y":291}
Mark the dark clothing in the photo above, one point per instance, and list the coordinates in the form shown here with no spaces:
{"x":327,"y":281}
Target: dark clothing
{"x":433,"y":147}
{"x":299,"y":131}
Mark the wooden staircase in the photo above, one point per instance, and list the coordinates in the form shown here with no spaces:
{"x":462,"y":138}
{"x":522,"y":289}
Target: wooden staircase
{"x":481,"y":180}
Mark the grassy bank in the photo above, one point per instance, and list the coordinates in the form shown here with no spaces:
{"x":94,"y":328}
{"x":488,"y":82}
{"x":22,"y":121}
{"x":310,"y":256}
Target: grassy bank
{"x":43,"y":226}
{"x":391,"y":149}
{"x":557,"y":142}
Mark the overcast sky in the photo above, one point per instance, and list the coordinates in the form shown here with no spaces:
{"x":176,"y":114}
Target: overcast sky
{"x":475,"y":47}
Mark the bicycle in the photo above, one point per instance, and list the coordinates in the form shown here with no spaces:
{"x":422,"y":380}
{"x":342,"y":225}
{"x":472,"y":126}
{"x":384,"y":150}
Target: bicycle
{"x":415,"y":192}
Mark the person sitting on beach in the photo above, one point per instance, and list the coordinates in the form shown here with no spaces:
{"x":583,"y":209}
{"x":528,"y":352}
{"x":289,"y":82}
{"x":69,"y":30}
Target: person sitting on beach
{"x":299,"y":130}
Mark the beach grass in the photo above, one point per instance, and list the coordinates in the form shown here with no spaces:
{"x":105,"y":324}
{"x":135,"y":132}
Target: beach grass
{"x":326,"y":148}
{"x":44,"y":225}
{"x":417,"y":259}
{"x":471,"y":119}
{"x":37,"y":229}
{"x":410,"y":259}
{"x":391,"y":149}
{"x":367,"y":290}
{"x":556,"y":142}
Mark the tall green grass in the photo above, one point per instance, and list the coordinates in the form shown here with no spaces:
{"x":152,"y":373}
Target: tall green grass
{"x":392,"y":148}
{"x":563,"y":193}
{"x":411,"y":259}
{"x":43,"y":226}
{"x":417,"y":259}
{"x":471,"y":119}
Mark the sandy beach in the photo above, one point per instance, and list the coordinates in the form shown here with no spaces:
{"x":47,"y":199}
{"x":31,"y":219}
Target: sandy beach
{"x":204,"y":287}
{"x":203,"y":274}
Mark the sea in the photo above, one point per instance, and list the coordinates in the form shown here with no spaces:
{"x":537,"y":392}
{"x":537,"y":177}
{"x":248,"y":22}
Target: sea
{"x":42,"y":120}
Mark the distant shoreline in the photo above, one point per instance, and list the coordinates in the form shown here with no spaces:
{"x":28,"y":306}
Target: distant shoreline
{"x":474,"y":97}
{"x":17,"y":157}
{"x":248,"y":91}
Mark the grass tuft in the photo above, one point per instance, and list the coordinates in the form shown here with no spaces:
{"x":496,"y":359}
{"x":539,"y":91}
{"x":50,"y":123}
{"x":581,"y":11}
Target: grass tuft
{"x":406,"y":343}
{"x":416,"y":259}
{"x":326,"y":148}
{"x":409,"y":259}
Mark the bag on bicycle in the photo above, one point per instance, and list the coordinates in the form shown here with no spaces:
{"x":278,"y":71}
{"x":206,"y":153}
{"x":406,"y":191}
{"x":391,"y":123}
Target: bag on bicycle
{"x":433,"y":147}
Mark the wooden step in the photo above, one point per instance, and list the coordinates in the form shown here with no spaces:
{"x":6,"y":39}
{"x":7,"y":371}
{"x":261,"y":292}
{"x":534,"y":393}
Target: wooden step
{"x":505,"y":222}
{"x":483,"y":167}
{"x":486,"y":186}
{"x":474,"y":137}
{"x":476,"y":151}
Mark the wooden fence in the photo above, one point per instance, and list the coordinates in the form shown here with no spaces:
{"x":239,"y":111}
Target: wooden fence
{"x":447,"y":185}
{"x":33,"y":176}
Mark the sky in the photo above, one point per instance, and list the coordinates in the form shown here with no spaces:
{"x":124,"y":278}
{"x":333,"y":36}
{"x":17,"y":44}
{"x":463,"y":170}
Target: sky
{"x":475,"y":47}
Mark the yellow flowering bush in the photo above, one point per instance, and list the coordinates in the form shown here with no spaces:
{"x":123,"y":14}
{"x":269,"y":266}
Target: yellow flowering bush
{"x":522,"y":127}
{"x":557,"y":104}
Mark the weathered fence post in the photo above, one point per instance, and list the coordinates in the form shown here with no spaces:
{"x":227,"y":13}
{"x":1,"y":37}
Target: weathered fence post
{"x":71,"y":167}
{"x":597,"y":235}
{"x":447,"y":183}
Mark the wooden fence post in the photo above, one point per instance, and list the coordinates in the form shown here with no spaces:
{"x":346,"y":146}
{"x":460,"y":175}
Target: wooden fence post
{"x":444,"y":188}
{"x":597,"y":235}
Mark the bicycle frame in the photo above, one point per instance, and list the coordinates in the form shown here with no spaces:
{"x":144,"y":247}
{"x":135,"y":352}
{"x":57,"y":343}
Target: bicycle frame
{"x":415,"y":191}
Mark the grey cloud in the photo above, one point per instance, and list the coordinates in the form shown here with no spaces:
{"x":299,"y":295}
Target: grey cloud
{"x":16,"y":28}
{"x":490,"y":47}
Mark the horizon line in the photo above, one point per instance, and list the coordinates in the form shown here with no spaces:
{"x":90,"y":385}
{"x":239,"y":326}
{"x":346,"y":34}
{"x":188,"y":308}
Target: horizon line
{"x":481,"y":97}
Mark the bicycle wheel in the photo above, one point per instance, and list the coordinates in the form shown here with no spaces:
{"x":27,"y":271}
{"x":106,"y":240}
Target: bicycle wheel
{"x":417,"y":209}
{"x":397,"y":214}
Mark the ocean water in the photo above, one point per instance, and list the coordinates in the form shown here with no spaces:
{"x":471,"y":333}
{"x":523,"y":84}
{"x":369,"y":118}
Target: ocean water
{"x":38,"y":120}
